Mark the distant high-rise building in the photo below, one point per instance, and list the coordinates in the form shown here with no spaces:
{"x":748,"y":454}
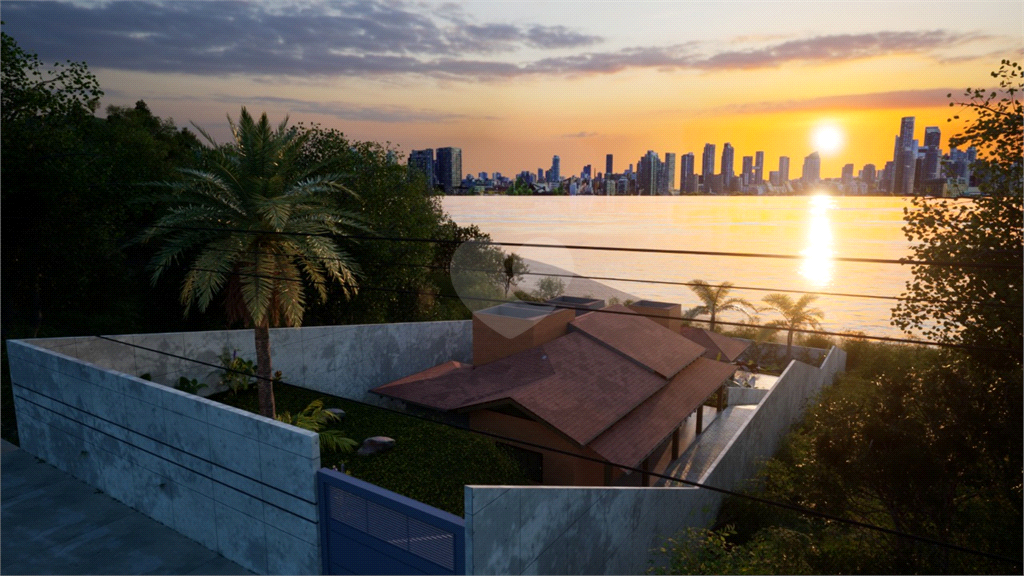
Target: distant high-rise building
{"x":728,"y":153}
{"x":773,"y":177}
{"x":708,"y":167}
{"x":848,"y":173}
{"x":868,"y":174}
{"x":423,"y":161}
{"x":812,"y":169}
{"x":555,"y":173}
{"x":540,"y":174}
{"x":932,"y":168}
{"x":748,"y":170}
{"x":586,"y":172}
{"x":449,"y":168}
{"x":668,"y":182}
{"x":687,"y":183}
{"x":647,"y":174}
{"x":904,"y":159}
{"x":783,"y":169}
{"x":608,"y":164}
{"x":758,"y":167}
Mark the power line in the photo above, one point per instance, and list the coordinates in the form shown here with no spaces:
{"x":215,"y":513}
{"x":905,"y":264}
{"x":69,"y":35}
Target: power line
{"x":792,"y":507}
{"x":902,"y":261}
{"x":496,"y":301}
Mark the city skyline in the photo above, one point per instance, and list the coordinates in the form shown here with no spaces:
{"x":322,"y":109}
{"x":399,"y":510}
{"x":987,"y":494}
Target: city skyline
{"x":512,"y":85}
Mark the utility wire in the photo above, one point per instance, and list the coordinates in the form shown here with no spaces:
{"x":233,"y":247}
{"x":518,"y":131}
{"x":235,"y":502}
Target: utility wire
{"x":902,"y":261}
{"x":497,"y":301}
{"x":647,"y":281}
{"x":792,"y":507}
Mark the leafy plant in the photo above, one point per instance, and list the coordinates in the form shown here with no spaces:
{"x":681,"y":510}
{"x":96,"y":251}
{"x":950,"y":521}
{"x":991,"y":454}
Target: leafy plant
{"x":238,"y":373}
{"x":192,"y":386}
{"x":549,"y":288}
{"x":314,"y":418}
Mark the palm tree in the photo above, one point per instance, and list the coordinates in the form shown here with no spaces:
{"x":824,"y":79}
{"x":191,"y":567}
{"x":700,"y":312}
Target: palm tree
{"x":257,"y":229}
{"x":715,"y":300}
{"x":795,"y":314}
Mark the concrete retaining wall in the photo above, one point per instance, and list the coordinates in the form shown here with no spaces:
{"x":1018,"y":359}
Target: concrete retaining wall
{"x":240,"y":484}
{"x":547,"y":530}
{"x":738,"y":396}
{"x":343,"y":361}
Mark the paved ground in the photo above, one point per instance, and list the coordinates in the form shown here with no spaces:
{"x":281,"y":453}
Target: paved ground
{"x":52,"y":523}
{"x":697,"y":459}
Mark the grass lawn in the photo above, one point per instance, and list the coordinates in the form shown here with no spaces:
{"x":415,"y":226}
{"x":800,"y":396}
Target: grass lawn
{"x":430,"y":462}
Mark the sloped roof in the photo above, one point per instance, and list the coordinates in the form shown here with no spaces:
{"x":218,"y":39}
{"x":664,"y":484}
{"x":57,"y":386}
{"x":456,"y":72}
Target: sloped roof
{"x":715,"y":343}
{"x":636,"y":435}
{"x":640,"y":339}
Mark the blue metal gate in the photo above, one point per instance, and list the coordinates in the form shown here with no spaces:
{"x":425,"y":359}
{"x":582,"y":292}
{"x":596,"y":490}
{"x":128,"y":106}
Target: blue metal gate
{"x":365,"y":529}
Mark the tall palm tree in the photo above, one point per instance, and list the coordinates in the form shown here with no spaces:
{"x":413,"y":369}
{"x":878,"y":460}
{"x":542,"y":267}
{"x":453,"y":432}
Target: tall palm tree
{"x":716,"y":300}
{"x":795,"y":315}
{"x":256,"y":228}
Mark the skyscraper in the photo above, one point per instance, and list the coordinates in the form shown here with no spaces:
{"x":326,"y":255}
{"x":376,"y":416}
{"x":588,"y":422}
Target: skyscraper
{"x":687,"y":183}
{"x":748,"y":170}
{"x":668,"y":183}
{"x":848,"y":173}
{"x":555,"y":174}
{"x":758,"y":167}
{"x":932,"y":153}
{"x":904,"y":159}
{"x":868,"y":174}
{"x":727,"y":166}
{"x":608,"y":165}
{"x":812,"y":169}
{"x":423,"y":161}
{"x":647,"y":174}
{"x":449,"y":168}
{"x":708,"y":167}
{"x":783,"y":169}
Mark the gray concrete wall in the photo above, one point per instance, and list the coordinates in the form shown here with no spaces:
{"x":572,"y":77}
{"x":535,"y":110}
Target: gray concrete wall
{"x":738,"y":396}
{"x":548,"y":530}
{"x":771,"y":352}
{"x":343,"y":361}
{"x":240,"y":484}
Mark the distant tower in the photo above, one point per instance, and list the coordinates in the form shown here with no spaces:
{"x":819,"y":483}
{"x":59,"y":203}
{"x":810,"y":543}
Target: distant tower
{"x":727,"y":166}
{"x":848,"y":173}
{"x":423,"y":161}
{"x":647,"y":174}
{"x":783,"y":169}
{"x":608,"y":165}
{"x":904,"y":159}
{"x":708,"y":167}
{"x":687,"y":183}
{"x":812,"y":169}
{"x":555,"y":174}
{"x":668,"y":183}
{"x":449,"y":168}
{"x":758,"y":167}
{"x":540,"y":174}
{"x":748,"y":170}
{"x":932,"y":153}
{"x":868,"y":174}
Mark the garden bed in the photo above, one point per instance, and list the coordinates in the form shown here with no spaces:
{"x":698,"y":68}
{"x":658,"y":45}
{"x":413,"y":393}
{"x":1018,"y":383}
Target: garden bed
{"x":430,"y":462}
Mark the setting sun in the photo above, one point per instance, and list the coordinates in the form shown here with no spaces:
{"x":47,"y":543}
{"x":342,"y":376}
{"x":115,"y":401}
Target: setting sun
{"x":827,"y":139}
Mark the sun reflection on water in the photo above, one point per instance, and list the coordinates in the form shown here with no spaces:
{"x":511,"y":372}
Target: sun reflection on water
{"x":817,"y":265}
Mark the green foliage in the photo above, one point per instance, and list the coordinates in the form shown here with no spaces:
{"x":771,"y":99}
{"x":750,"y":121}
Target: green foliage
{"x":192,"y":386}
{"x":315,"y":419}
{"x":238,"y":373}
{"x":512,"y":270}
{"x":975,"y":306}
{"x":911,"y":439}
{"x":796,"y":315}
{"x":775,"y":551}
{"x":520,"y":188}
{"x":715,"y":300}
{"x":549,"y":287}
{"x":68,"y":183}
{"x":430,"y":462}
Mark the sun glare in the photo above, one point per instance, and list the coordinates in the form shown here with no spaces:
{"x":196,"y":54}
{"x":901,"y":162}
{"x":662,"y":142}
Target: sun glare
{"x":827,"y":139}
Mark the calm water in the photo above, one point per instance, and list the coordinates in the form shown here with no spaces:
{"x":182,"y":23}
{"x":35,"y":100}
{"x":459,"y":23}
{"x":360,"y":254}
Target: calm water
{"x":816,"y":228}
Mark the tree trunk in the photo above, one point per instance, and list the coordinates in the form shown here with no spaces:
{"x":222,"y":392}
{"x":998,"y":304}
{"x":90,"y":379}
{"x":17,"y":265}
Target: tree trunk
{"x":789,"y":345}
{"x":264,"y":370}
{"x":711,"y":325}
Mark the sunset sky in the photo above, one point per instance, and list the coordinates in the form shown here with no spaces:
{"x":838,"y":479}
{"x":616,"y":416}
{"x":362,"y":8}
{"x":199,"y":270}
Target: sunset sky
{"x":513,"y":83}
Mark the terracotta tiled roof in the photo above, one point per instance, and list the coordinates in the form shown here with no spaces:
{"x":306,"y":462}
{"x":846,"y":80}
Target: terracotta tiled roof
{"x":633,"y":437}
{"x":730,"y":348}
{"x":640,"y":339}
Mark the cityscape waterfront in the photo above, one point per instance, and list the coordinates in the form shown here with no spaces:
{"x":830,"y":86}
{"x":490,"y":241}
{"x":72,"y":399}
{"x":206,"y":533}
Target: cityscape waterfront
{"x":915,"y":169}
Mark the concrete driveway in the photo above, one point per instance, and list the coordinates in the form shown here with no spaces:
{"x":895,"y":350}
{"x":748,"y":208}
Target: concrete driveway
{"x":53,"y":523}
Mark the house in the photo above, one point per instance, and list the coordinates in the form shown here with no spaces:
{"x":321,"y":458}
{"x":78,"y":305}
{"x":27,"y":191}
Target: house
{"x":617,"y":384}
